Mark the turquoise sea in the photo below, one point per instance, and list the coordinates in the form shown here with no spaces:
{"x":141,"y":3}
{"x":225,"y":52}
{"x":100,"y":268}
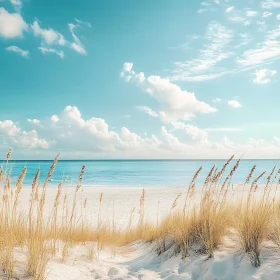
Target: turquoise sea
{"x":133,"y":172}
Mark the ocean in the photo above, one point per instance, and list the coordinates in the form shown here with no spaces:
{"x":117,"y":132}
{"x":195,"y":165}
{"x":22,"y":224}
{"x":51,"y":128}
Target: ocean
{"x":136,"y":173}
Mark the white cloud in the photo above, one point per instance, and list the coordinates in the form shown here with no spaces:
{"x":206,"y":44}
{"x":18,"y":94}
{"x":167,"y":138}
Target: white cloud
{"x":69,"y":131}
{"x":76,"y":45}
{"x":237,"y":16}
{"x":133,"y":141}
{"x":18,"y":50}
{"x":17,"y":4}
{"x":245,"y":39}
{"x":229,"y":9}
{"x":78,"y":48}
{"x":270,"y":4}
{"x":264,"y":52}
{"x":30,"y":140}
{"x":9,"y":128}
{"x":204,"y":3}
{"x":49,"y":36}
{"x":262,"y":25}
{"x":216,"y":100}
{"x":194,"y":132}
{"x":175,"y":103}
{"x":246,"y":22}
{"x":16,"y":137}
{"x":11,"y":25}
{"x":223,"y":129}
{"x":127,"y":66}
{"x":173,"y":141}
{"x":263,"y":76}
{"x":148,"y":111}
{"x":54,"y":118}
{"x":210,"y":9}
{"x":75,"y":137}
{"x":204,"y":66}
{"x":267,"y":14}
{"x":45,"y":50}
{"x":85,"y":23}
{"x":251,"y":13}
{"x":234,"y":104}
{"x":34,"y":121}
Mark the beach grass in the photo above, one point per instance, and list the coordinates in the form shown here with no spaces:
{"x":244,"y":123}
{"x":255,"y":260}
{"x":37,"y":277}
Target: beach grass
{"x":199,"y":224}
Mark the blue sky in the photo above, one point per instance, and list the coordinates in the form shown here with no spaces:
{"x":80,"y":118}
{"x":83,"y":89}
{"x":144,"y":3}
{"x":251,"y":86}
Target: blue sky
{"x":131,"y":79}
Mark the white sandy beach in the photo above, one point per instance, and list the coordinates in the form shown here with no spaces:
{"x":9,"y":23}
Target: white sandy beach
{"x":140,"y":260}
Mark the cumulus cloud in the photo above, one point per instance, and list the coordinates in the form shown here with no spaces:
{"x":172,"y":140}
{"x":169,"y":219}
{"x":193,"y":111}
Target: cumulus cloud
{"x":45,"y":50}
{"x":48,"y":36}
{"x":76,"y":137}
{"x":70,"y":131}
{"x":16,"y":137}
{"x":263,"y":76}
{"x":175,"y":103}
{"x":11,"y":25}
{"x":195,"y":133}
{"x":234,"y":104}
{"x":127,"y":67}
{"x":9,"y":128}
{"x":54,"y":118}
{"x":18,"y":50}
{"x":173,"y":141}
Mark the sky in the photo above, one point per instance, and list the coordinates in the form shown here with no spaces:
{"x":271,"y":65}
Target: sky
{"x":140,"y":79}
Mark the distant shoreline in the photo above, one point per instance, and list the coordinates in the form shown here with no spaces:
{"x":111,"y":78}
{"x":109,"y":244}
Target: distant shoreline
{"x":131,"y":160}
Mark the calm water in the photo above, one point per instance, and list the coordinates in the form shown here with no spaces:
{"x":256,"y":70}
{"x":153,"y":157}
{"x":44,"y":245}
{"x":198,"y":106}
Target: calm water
{"x":134,"y":173}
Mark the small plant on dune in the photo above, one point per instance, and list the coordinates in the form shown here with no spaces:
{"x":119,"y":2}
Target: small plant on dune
{"x":275,"y":235}
{"x":65,"y":251}
{"x":99,"y":209}
{"x":38,"y":258}
{"x":209,"y":222}
{"x":253,"y":221}
{"x":175,"y":202}
{"x":72,"y":220}
{"x":37,"y":247}
{"x":7,"y":224}
{"x":54,"y":228}
{"x":142,"y":208}
{"x":91,"y":252}
{"x":179,"y":227}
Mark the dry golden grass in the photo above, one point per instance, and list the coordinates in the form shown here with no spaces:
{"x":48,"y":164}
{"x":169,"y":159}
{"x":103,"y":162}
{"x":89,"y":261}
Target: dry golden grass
{"x":200,"y":224}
